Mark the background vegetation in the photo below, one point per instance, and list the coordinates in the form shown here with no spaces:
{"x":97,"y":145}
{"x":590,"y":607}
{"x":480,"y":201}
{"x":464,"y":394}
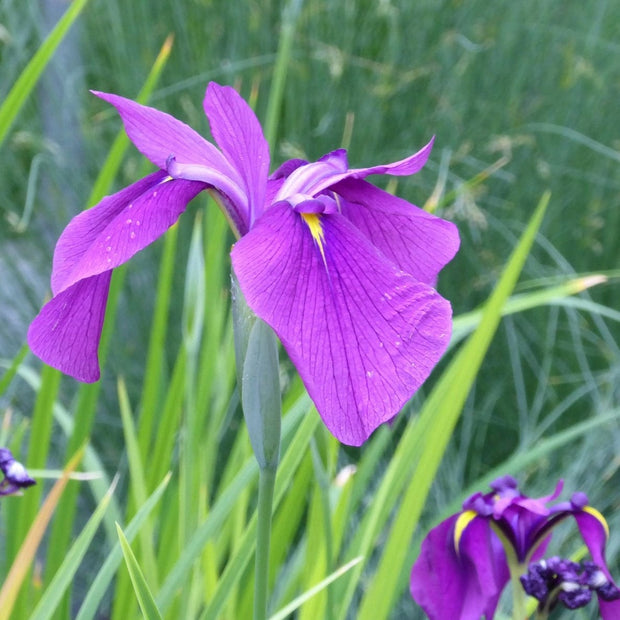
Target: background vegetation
{"x":522,"y":98}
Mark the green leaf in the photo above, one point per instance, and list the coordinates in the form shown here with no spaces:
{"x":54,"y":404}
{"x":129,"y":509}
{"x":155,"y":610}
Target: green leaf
{"x":63,"y":578}
{"x":106,"y":573}
{"x":30,"y":75}
{"x":306,"y":596}
{"x":141,"y":588}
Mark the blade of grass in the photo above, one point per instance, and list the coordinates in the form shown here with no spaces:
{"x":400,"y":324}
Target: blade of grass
{"x":238,"y":563}
{"x":141,"y":588}
{"x":465,"y":323}
{"x":296,"y":603}
{"x":137,"y":480}
{"x":11,"y":371}
{"x":222,"y":508}
{"x":31,"y":73}
{"x":106,"y":573}
{"x":62,"y":579}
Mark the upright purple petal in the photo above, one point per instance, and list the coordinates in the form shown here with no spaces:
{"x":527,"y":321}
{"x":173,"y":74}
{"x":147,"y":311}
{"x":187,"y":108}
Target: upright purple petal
{"x":419,"y":243}
{"x":311,"y":178}
{"x":363,"y":334}
{"x":66,"y":332}
{"x":158,"y":136}
{"x":240,"y":136}
{"x":109,"y":234}
{"x":463,"y":586}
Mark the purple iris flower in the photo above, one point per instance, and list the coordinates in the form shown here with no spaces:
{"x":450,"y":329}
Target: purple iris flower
{"x":557,"y":580}
{"x":15,"y":475}
{"x":342,"y":271}
{"x":463,"y":568}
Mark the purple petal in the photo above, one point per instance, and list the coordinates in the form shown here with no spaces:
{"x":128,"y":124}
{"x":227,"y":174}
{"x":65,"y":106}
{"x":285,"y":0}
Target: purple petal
{"x":461,"y":586}
{"x":66,"y":332}
{"x":610,"y":610}
{"x":110,"y":233}
{"x":594,"y":532}
{"x":238,"y":133}
{"x":410,"y":165}
{"x":158,"y":136}
{"x":419,"y":243}
{"x":314,"y":177}
{"x":333,"y":168}
{"x":363,"y":334}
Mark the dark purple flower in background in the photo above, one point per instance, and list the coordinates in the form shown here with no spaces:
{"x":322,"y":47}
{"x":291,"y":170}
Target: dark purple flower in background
{"x":15,"y":475}
{"x":463,"y":568}
{"x":557,"y":580}
{"x":342,"y":271}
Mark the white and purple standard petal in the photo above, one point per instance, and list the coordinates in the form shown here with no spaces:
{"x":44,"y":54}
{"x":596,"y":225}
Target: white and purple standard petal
{"x":240,"y":137}
{"x":463,"y":585}
{"x":363,"y":334}
{"x":419,"y":243}
{"x":311,"y":178}
{"x":333,"y":168}
{"x":67,"y":331}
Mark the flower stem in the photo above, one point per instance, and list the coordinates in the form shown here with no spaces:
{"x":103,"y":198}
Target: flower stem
{"x":266,"y":485}
{"x":518,"y":597}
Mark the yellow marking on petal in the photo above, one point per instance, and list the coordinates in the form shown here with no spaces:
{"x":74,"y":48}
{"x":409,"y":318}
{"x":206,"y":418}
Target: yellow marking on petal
{"x":599,"y":517}
{"x":464,"y":519}
{"x":313,"y":220}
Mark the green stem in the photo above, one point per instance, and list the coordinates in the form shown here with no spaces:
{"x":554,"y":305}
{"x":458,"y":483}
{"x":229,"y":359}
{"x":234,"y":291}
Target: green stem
{"x":266,"y":485}
{"x":518,"y":598}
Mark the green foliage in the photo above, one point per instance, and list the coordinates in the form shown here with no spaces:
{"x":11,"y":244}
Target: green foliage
{"x":534,"y":395}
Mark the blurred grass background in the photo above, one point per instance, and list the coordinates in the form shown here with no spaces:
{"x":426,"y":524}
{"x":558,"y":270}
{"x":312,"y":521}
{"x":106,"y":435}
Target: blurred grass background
{"x":529,"y":88}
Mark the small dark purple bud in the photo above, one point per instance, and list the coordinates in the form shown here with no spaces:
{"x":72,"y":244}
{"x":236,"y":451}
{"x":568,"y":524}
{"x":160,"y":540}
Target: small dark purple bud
{"x":15,"y":475}
{"x":479,"y":504}
{"x":579,"y":500}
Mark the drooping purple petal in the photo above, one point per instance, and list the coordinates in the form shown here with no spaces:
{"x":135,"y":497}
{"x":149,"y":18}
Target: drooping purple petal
{"x":464,"y":585}
{"x":418,"y":242}
{"x":363,"y":334}
{"x":121,"y":225}
{"x":66,"y":333}
{"x":594,"y":532}
{"x":77,"y":236}
{"x":240,"y":136}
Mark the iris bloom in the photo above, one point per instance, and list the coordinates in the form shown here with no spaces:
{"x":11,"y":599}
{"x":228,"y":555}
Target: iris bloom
{"x":15,"y":475}
{"x":557,"y":580}
{"x":341,"y":270}
{"x":463,"y":566}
